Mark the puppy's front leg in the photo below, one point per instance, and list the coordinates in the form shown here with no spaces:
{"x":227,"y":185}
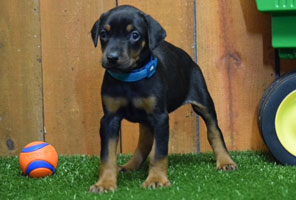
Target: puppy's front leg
{"x":158,"y":169}
{"x":109,"y":131}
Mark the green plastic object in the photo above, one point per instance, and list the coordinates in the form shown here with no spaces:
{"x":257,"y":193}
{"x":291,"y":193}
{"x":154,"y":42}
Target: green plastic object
{"x":277,"y":6}
{"x":283,"y":25}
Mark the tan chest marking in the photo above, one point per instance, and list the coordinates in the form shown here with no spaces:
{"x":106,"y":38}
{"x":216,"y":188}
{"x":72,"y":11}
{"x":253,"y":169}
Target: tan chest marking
{"x":148,"y":104}
{"x":113,"y":104}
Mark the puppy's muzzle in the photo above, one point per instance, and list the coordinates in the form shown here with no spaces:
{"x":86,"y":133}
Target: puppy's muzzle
{"x":114,"y":59}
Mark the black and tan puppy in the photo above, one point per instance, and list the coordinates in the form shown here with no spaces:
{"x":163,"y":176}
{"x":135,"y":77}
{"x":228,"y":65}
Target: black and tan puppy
{"x":146,"y":78}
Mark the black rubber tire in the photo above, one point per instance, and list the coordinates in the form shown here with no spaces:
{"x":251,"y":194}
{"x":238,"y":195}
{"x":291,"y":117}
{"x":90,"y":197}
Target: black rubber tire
{"x":269,"y":104}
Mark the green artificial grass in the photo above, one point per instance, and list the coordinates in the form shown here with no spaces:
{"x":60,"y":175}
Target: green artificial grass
{"x":192,"y":176}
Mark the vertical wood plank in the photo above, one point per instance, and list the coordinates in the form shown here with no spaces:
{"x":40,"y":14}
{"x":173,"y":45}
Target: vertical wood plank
{"x":21,"y":118}
{"x":234,"y":50}
{"x":177,"y":18}
{"x":72,"y":74}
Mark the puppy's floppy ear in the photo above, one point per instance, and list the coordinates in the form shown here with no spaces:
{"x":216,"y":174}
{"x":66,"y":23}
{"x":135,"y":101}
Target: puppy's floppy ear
{"x":156,"y":34}
{"x":95,"y":31}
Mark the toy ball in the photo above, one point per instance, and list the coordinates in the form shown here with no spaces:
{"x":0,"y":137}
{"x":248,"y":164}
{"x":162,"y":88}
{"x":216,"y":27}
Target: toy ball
{"x":38,"y":159}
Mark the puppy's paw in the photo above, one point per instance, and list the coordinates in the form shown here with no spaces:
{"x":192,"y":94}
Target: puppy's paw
{"x":154,"y":182}
{"x":124,"y":169}
{"x":127,"y":168}
{"x":103,"y":187}
{"x":227,"y":166}
{"x":225,"y":163}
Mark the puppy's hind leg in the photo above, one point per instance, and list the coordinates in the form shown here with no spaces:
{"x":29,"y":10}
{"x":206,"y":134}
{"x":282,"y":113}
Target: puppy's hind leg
{"x":143,"y":149}
{"x":203,"y":105}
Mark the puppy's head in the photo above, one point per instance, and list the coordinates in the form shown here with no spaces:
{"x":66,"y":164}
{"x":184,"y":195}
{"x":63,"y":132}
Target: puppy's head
{"x":127,"y":37}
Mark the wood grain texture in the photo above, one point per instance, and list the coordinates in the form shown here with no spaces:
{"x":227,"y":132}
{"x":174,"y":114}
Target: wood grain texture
{"x":177,"y":18}
{"x":72,"y":74}
{"x":20,"y":75}
{"x":234,"y":50}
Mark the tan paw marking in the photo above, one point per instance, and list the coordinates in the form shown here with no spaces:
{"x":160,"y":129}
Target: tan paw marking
{"x":226,"y":165}
{"x":154,"y":182}
{"x":103,"y":186}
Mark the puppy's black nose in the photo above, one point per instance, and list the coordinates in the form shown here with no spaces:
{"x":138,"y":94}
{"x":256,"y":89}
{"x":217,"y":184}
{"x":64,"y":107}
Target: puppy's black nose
{"x":113,"y":56}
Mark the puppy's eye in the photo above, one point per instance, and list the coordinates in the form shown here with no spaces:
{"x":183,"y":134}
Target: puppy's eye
{"x":103,"y":34}
{"x":135,"y":36}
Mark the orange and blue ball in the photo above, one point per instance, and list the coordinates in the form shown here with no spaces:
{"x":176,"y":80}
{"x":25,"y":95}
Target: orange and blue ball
{"x":38,"y":159}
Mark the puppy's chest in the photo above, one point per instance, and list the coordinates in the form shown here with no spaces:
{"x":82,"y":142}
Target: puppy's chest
{"x":131,"y":108}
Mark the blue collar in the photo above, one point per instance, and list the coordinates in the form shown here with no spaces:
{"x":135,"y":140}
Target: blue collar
{"x":139,"y":74}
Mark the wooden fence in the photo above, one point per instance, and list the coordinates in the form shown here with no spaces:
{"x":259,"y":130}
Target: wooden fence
{"x":50,"y":73}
